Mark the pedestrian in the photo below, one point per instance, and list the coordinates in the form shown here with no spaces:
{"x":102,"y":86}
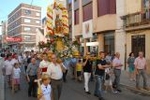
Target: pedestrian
{"x":79,"y":70}
{"x":2,"y":64}
{"x":141,"y":67}
{"x":87,"y":70}
{"x":31,"y":73}
{"x":43,"y":65}
{"x":55,"y":70}
{"x":66,"y":65}
{"x":108,"y":58}
{"x":8,"y":66}
{"x":117,"y":65}
{"x":101,"y":64}
{"x":131,"y":66}
{"x":109,"y":80}
{"x":25,"y":57}
{"x":73,"y":63}
{"x":45,"y":90}
{"x":16,"y":78}
{"x":15,"y":59}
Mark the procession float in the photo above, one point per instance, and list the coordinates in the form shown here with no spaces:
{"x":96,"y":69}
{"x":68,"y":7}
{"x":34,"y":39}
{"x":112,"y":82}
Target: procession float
{"x":57,"y":28}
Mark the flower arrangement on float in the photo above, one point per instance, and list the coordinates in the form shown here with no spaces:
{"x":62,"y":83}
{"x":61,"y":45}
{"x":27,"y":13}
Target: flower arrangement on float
{"x":57,"y":28}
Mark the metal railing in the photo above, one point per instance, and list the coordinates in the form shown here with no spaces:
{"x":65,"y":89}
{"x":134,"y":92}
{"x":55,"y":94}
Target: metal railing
{"x":136,"y":19}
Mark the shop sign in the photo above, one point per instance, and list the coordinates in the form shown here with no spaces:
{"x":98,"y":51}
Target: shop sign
{"x":13,"y":39}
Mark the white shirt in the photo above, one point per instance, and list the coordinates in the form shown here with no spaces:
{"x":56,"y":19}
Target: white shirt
{"x":8,"y":65}
{"x":55,"y":71}
{"x":14,"y":61}
{"x":117,"y":61}
{"x":46,"y":90}
{"x":16,"y":73}
{"x":44,"y":64}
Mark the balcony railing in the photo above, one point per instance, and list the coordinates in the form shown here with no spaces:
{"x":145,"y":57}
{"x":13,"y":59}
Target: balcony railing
{"x":136,"y":19}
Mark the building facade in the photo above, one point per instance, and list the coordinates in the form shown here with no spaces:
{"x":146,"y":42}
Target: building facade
{"x":100,"y":16}
{"x":137,"y":27}
{"x":4,"y":34}
{"x":98,"y":26}
{"x":23,"y":22}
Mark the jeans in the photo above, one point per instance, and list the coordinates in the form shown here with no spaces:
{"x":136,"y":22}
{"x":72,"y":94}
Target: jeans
{"x":87,"y":76}
{"x":143,"y":74}
{"x":98,"y":86}
{"x":117,"y":73}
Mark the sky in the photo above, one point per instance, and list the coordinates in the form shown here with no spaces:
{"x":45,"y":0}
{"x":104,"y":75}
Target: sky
{"x":6,"y":6}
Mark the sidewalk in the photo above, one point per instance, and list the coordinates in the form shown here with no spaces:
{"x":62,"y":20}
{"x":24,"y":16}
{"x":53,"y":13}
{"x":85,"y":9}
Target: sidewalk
{"x":1,"y":82}
{"x":125,"y":81}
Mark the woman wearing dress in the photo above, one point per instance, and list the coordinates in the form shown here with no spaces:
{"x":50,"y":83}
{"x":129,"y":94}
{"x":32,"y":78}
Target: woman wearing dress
{"x":131,"y":66}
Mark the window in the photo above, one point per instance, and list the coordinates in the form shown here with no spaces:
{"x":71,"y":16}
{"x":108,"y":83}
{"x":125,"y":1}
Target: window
{"x":109,"y":42}
{"x":138,"y":44}
{"x":27,"y":20}
{"x":37,"y":14}
{"x":87,"y":12}
{"x":37,"y":21}
{"x":27,"y":12}
{"x":106,"y":7}
{"x":27,"y":28}
{"x":76,"y":15}
{"x":27,"y":38}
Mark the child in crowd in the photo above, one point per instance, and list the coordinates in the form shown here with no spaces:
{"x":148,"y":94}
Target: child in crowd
{"x":108,"y":80}
{"x":79,"y":70}
{"x":16,"y":78}
{"x":44,"y":90}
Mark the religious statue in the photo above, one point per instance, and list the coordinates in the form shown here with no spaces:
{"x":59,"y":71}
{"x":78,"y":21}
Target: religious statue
{"x":58,"y":25}
{"x":58,"y":29}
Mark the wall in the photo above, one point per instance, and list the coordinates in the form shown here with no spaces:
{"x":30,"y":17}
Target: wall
{"x":132,"y":6}
{"x":120,"y":35}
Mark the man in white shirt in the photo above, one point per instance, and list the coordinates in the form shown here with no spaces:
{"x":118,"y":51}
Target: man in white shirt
{"x":117,"y":65}
{"x":55,"y":70}
{"x":8,"y":66}
{"x":43,"y":65}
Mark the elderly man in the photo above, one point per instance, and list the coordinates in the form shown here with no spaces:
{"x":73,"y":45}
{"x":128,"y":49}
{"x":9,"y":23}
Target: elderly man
{"x":117,"y":65}
{"x":31,"y":76}
{"x":140,"y":65}
{"x":55,"y":70}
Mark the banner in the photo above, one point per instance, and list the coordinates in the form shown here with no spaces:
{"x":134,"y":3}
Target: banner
{"x":87,"y":29}
{"x":13,"y":39}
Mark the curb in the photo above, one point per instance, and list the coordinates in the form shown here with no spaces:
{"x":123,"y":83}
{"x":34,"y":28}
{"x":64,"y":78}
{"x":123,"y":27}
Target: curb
{"x":144,"y":92}
{"x":2,"y":89}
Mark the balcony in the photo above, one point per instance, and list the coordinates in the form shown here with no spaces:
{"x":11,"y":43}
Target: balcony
{"x":136,"y":20}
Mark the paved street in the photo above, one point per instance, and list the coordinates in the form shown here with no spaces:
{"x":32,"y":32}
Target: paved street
{"x":74,"y":91}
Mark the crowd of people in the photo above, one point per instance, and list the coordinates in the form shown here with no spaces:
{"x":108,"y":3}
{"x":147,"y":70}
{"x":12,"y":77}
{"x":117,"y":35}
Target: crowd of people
{"x":45,"y":78}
